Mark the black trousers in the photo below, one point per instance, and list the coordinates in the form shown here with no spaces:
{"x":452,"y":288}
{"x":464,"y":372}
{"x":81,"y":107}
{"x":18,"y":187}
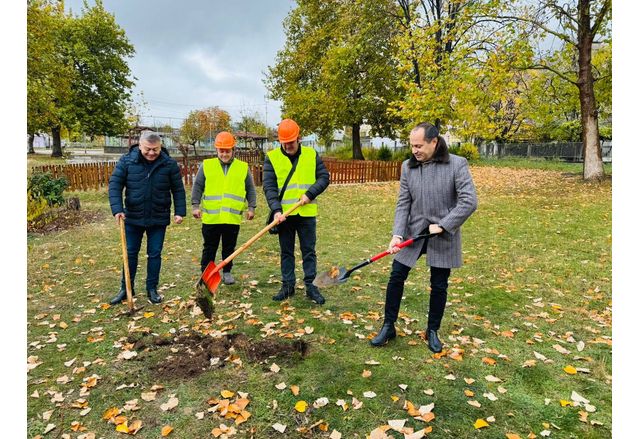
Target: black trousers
{"x":305,"y":228}
{"x":437,"y":299}
{"x":211,"y":233}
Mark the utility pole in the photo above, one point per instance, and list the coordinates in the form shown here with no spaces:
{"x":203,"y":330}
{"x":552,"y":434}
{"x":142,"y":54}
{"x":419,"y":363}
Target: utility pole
{"x":266,"y":121}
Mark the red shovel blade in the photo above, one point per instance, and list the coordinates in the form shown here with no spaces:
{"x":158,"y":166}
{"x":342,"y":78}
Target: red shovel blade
{"x":211,"y":277}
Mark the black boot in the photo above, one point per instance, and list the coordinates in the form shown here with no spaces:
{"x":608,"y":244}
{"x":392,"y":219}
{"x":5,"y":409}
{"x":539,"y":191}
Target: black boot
{"x":313,"y":293}
{"x":285,"y":292}
{"x":387,"y":332}
{"x":153,"y":296}
{"x":433,"y":341}
{"x":122,"y":295}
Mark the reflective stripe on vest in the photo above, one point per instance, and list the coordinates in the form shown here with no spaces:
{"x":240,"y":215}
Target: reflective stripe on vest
{"x":301,"y":180}
{"x":224,"y":196}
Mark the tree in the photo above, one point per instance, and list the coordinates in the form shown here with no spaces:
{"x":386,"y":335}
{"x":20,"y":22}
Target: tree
{"x":77,"y":75}
{"x":253,"y":124}
{"x":49,"y":79}
{"x":98,"y":50}
{"x":337,"y":67}
{"x":554,"y":104}
{"x":454,"y":57}
{"x":581,"y":23}
{"x":200,"y":125}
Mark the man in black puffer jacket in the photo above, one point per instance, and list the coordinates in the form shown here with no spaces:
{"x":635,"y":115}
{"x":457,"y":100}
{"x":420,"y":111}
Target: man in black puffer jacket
{"x":149,"y":177}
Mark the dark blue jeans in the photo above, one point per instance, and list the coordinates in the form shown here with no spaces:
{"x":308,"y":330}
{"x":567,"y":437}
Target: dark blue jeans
{"x":437,"y":299}
{"x":155,"y":240}
{"x":305,"y":227}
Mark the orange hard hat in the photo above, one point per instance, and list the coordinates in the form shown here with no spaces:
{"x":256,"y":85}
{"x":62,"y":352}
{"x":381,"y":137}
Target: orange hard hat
{"x":225,"y":140}
{"x":288,"y":131}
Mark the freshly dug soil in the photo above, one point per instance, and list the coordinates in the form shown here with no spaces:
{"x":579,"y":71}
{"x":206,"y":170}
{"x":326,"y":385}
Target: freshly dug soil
{"x":188,"y":355}
{"x":64,"y":219}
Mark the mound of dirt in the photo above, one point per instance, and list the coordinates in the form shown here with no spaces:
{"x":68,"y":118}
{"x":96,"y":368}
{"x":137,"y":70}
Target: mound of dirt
{"x":190,"y":354}
{"x":64,"y":219}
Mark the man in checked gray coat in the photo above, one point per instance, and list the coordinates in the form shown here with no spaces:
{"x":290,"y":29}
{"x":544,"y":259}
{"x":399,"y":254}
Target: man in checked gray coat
{"x":436,"y":195}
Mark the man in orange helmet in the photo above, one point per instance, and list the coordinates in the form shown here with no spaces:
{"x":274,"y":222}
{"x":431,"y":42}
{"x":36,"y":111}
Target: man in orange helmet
{"x":222,"y":189}
{"x":308,"y":178}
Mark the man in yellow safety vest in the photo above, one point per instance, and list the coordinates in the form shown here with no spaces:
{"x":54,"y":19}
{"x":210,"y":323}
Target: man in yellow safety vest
{"x":222,"y":189}
{"x":308,"y":180}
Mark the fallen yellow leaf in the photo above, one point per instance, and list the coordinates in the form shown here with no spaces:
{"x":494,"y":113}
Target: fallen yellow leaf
{"x":227,"y":393}
{"x":295,"y":390}
{"x":166,"y":430}
{"x":564,"y":403}
{"x":570,"y":370}
{"x":122,"y":428}
{"x":512,"y":436}
{"x":301,"y":406}
{"x":480,"y":423}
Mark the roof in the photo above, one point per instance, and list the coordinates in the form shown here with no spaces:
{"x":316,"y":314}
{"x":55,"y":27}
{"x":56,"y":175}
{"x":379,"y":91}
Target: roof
{"x":249,"y":135}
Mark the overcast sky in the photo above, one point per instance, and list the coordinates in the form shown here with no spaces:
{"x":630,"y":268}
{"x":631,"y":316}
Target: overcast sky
{"x":199,"y":53}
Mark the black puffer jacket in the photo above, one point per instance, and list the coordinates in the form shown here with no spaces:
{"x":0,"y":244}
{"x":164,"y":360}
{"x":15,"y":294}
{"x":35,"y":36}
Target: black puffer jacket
{"x":148,"y":187}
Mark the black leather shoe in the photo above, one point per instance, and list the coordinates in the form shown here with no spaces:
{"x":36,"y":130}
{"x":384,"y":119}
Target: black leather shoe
{"x":153,"y":296}
{"x":313,"y":293}
{"x":122,"y":295}
{"x":387,"y":332}
{"x":285,"y":292}
{"x":433,"y":341}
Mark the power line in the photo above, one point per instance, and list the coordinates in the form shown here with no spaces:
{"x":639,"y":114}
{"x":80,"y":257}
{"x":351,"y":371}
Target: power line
{"x":199,"y":106}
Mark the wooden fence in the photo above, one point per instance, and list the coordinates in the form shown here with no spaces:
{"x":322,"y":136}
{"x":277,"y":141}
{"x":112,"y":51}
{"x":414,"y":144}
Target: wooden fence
{"x":93,"y":176}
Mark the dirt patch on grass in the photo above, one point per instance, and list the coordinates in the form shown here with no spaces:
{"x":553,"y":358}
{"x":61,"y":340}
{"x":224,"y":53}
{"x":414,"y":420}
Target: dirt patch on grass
{"x":64,"y":219}
{"x":188,"y":355}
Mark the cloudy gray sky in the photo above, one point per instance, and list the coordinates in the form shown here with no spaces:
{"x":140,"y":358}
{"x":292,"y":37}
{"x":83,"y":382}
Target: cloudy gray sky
{"x":193,"y":54}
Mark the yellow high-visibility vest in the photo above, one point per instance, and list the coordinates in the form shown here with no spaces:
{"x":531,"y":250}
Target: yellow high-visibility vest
{"x":224,"y":197}
{"x":301,"y":180}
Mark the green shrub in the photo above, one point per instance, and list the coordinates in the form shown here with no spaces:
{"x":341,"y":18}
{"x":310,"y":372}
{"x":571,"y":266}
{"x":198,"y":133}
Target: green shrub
{"x":401,"y":155}
{"x":43,"y":185}
{"x":467,"y":150}
{"x":384,"y":153}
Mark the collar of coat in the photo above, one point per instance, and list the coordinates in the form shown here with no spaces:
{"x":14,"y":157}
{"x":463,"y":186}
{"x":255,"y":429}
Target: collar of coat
{"x":440,"y":156}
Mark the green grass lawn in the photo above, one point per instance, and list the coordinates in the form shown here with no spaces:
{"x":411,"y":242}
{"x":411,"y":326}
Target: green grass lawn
{"x":531,"y":306}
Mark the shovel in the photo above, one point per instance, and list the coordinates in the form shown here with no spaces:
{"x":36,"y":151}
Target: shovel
{"x":340,"y":275}
{"x":211,"y":278}
{"x":127,"y":276}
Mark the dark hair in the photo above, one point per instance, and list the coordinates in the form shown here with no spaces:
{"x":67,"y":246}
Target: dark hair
{"x":431,"y":132}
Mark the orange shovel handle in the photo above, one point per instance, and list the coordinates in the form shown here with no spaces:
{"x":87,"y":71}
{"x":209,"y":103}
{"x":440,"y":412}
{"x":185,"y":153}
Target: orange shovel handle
{"x":255,"y":237}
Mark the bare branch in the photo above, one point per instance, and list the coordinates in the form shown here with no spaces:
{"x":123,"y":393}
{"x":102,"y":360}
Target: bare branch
{"x":562,"y":75}
{"x":606,"y":7}
{"x":572,"y":20}
{"x":562,"y":36}
{"x":608,"y":75}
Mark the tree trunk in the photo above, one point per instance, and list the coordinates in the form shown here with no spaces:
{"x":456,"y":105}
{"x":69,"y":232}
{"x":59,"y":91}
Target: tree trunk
{"x":30,"y":149}
{"x":56,"y":147}
{"x":591,"y":150}
{"x":356,"y":146}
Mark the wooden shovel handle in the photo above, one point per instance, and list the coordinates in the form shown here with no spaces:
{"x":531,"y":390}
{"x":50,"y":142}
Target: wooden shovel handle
{"x":125,"y":260}
{"x":255,"y":237}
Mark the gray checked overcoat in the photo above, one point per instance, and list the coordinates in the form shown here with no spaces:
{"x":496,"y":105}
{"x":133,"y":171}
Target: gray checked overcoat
{"x":439,"y":191}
